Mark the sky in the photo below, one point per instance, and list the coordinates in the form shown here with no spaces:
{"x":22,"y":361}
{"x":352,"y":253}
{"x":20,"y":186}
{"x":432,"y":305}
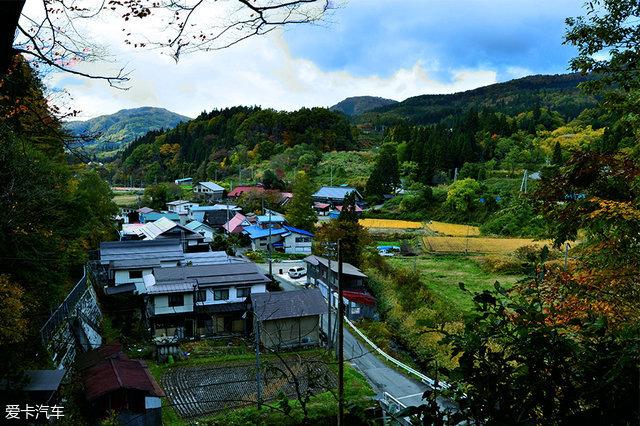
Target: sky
{"x":389,"y":48}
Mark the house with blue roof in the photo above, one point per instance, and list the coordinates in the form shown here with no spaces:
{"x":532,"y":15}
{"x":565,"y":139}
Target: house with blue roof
{"x":152,"y":216}
{"x":273,"y":227}
{"x":335,"y":195}
{"x":260,"y":237}
{"x":297,"y":240}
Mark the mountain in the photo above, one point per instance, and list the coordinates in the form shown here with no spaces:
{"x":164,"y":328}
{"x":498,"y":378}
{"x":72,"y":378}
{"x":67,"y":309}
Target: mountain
{"x":357,"y":105}
{"x":113,"y":131}
{"x":557,"y":92}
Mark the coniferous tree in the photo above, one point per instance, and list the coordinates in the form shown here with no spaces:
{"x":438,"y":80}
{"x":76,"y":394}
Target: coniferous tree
{"x":300,"y":213}
{"x":557,"y":155}
{"x":385,"y":177}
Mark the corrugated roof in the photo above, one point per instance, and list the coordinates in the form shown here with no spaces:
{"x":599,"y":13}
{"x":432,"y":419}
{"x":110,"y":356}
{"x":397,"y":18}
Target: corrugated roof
{"x":119,"y":373}
{"x":298,"y":231}
{"x":288,"y":304}
{"x":235,"y":224}
{"x":194,"y":224}
{"x":255,"y":231}
{"x":212,"y":186}
{"x":155,"y":229}
{"x":154,"y":250}
{"x":347,"y":268}
{"x":335,"y":192}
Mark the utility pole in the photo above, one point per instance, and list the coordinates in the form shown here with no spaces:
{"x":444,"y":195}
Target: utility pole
{"x":340,"y":341}
{"x":269,"y":247}
{"x":566,"y":256}
{"x":258,"y":373}
{"x":329,"y":251}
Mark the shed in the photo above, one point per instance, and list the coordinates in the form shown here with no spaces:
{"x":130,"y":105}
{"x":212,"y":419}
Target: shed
{"x":288,"y":319}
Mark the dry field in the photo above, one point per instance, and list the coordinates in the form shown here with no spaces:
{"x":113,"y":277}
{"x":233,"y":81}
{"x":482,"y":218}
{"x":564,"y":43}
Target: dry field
{"x":390,"y":224}
{"x":453,"y":229}
{"x":477,"y":245}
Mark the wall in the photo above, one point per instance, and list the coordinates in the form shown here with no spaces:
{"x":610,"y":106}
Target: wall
{"x":291,"y":246}
{"x":290,"y":332}
{"x":122,"y":277}
{"x":256,"y":288}
{"x":161,"y":304}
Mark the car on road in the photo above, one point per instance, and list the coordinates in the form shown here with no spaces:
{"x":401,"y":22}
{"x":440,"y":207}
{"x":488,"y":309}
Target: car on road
{"x":297,"y":272}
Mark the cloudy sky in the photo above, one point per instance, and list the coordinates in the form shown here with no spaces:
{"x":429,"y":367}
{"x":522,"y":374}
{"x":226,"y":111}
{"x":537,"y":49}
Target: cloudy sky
{"x":389,"y":48}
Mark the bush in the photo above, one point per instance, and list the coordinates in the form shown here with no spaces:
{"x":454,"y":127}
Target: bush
{"x":501,"y":264}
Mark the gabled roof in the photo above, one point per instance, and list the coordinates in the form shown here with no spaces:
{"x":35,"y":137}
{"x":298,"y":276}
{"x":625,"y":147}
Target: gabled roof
{"x":194,"y":225}
{"x":155,"y":229}
{"x":212,"y":186}
{"x":113,"y":374}
{"x":298,"y":231}
{"x":153,"y":216}
{"x":347,"y":268}
{"x":321,"y":206}
{"x":145,"y":210}
{"x":217,"y":217}
{"x":358,"y":208}
{"x":287,"y":304}
{"x":335,"y":192}
{"x":147,"y":251}
{"x":256,"y":231}
{"x":272,"y":218}
{"x":236,"y":223}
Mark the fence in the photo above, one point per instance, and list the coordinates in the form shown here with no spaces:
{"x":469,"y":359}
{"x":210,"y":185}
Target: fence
{"x":424,"y":379}
{"x":60,"y":315}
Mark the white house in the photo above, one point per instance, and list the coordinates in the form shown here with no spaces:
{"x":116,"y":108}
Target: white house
{"x":181,"y":206}
{"x":297,"y":240}
{"x":203,"y":300}
{"x":209,"y":190}
{"x":203,"y":229}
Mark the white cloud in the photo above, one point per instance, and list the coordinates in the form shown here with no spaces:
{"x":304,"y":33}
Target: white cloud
{"x":259,"y":71}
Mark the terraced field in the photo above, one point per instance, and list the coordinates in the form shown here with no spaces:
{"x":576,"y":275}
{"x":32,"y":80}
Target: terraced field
{"x":198,"y":391}
{"x":447,"y":244}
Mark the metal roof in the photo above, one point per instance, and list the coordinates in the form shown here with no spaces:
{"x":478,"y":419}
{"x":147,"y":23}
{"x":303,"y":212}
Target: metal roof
{"x":298,"y":231}
{"x":335,"y":192}
{"x":273,"y":218}
{"x":288,"y":304}
{"x":194,"y":224}
{"x":255,"y":231}
{"x":184,"y":278}
{"x":177,"y":202}
{"x":155,"y":229}
{"x":347,"y":268}
{"x":43,"y":380}
{"x":212,"y":186}
{"x":156,"y":250}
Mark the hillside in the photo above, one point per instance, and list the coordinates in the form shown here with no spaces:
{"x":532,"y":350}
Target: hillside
{"x":357,"y":105}
{"x":113,"y":131}
{"x":556,"y":92}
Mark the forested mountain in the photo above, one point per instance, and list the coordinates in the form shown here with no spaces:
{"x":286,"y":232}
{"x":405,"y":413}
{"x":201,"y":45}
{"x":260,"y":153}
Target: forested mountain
{"x":113,"y":131}
{"x":357,"y":105}
{"x":556,"y":92}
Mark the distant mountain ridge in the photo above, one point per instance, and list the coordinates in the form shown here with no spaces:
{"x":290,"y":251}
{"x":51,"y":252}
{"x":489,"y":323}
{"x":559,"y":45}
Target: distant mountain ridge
{"x":559,"y":92}
{"x":357,"y":105}
{"x":114,"y":131}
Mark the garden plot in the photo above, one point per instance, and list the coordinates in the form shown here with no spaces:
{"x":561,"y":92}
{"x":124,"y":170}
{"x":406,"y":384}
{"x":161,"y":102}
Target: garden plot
{"x":197,"y":391}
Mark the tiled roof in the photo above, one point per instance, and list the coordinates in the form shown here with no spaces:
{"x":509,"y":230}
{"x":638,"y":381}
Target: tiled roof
{"x":287,"y":304}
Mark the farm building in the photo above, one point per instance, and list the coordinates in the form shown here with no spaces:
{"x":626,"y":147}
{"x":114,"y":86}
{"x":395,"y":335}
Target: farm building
{"x":287,"y":319}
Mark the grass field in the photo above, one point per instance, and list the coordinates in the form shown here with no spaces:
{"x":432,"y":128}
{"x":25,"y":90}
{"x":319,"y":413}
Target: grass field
{"x":441,"y":275}
{"x":445,"y":244}
{"x":390,"y":224}
{"x":453,"y":229}
{"x":125,"y":200}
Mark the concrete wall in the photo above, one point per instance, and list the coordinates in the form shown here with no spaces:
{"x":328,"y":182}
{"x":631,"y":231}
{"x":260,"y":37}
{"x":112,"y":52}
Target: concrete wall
{"x":122,"y":277}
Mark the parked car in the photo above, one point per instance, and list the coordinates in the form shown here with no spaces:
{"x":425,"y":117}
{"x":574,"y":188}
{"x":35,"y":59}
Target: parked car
{"x":297,"y":272}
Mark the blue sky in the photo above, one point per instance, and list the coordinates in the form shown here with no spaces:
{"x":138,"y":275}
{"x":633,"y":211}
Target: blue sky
{"x":389,"y":48}
{"x":367,"y":37}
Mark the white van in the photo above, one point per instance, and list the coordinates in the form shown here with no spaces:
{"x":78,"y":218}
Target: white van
{"x":297,"y":272}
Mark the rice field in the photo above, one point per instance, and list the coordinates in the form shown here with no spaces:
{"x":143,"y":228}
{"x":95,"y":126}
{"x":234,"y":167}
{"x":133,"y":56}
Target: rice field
{"x":453,"y":229}
{"x":477,"y":245}
{"x":390,"y":223}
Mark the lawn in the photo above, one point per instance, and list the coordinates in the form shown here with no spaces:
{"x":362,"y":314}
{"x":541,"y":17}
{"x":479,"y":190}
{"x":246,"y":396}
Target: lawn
{"x":441,"y":275}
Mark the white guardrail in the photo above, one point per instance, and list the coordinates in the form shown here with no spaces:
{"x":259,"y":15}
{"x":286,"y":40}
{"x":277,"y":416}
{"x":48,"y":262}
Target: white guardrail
{"x":424,"y":379}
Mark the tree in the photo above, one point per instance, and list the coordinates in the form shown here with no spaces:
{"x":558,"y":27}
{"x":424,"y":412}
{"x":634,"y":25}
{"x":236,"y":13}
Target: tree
{"x":271,"y":181}
{"x":462,"y":195}
{"x":51,"y":36}
{"x":300,"y":211}
{"x":157,"y":196}
{"x":385,"y":176}
{"x":556,"y":158}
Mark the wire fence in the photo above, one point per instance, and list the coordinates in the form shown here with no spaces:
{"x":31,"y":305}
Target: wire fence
{"x":60,"y":315}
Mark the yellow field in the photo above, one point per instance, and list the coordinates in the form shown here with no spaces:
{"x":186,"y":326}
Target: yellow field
{"x":389,"y":223}
{"x":453,"y":229}
{"x":478,"y":245}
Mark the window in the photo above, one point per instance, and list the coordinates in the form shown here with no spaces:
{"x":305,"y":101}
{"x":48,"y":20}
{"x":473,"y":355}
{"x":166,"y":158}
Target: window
{"x":135,"y":274}
{"x":176,"y":300}
{"x":201,"y":296}
{"x":243,"y":291}
{"x":302,"y":239}
{"x":221,"y":294}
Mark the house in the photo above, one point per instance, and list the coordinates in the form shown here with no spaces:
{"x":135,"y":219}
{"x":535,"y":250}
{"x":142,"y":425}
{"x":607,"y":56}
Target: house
{"x":203,"y":229}
{"x":210,"y":190}
{"x":124,"y":264}
{"x":359,"y":302}
{"x":204,"y":300}
{"x":297,"y":240}
{"x":40,"y":387}
{"x":113,"y":382}
{"x":236,"y":224}
{"x":197,"y":213}
{"x":260,"y":237}
{"x":184,"y":181}
{"x":288,"y":319}
{"x":181,"y":206}
{"x":243,"y":189}
{"x":217,"y":218}
{"x":335,"y":195}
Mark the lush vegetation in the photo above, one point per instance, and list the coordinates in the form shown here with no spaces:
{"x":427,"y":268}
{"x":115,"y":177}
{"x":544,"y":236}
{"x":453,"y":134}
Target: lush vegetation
{"x":359,"y":104}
